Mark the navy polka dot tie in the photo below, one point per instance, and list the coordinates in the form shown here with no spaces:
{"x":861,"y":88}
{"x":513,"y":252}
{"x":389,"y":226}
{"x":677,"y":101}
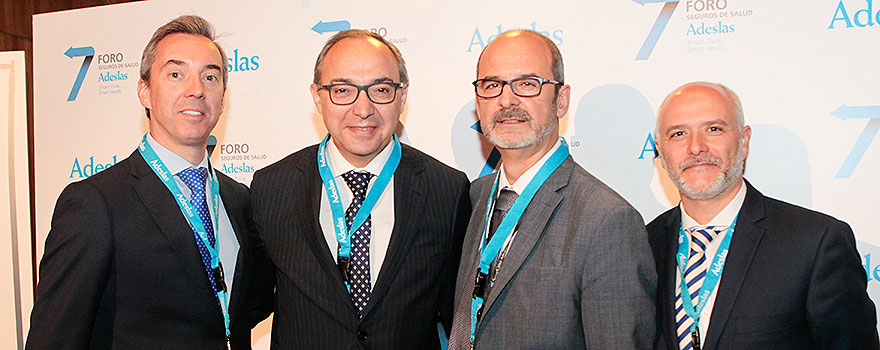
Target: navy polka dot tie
{"x":360,"y":241}
{"x":194,"y":178}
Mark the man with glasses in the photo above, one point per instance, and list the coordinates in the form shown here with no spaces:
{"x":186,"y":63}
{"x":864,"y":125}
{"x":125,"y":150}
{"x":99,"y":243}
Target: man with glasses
{"x":365,"y":233}
{"x":553,"y":258}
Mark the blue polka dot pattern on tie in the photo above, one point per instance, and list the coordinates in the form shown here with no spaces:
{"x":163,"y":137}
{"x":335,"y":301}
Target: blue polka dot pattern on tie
{"x":195,"y":179}
{"x":359,"y":269}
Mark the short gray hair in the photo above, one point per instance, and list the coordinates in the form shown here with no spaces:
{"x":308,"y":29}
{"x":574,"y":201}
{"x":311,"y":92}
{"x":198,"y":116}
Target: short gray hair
{"x":358,"y":33}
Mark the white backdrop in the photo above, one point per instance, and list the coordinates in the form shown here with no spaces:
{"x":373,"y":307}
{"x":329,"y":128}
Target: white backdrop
{"x":805,"y":72}
{"x":17,"y":298}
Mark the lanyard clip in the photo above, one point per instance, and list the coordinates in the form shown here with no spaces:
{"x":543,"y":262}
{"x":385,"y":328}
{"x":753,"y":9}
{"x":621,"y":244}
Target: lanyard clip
{"x":219,"y":278}
{"x":480,"y":285}
{"x":695,"y":338}
{"x":342,"y":263}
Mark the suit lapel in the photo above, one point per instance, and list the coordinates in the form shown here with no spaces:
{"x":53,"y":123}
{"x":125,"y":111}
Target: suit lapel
{"x":471,"y":246}
{"x":310,"y":226}
{"x":166,"y":213}
{"x":530,"y":228}
{"x":409,"y":200}
{"x":746,"y":237}
{"x":670,"y":267}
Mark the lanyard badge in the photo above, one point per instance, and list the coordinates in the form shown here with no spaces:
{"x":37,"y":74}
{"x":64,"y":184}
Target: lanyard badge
{"x":488,"y":251}
{"x":343,"y":234}
{"x":194,"y":220}
{"x":713,"y":275}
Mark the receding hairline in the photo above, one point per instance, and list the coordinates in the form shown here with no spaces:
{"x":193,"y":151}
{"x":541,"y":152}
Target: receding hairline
{"x":729,"y":96}
{"x":551,"y":49}
{"x":359,"y":34}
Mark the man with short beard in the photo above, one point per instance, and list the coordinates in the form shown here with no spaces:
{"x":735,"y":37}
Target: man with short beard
{"x":792,"y":278}
{"x":552,"y":258}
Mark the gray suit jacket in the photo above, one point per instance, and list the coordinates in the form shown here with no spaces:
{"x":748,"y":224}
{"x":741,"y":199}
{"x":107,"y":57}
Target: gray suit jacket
{"x":578,"y":274}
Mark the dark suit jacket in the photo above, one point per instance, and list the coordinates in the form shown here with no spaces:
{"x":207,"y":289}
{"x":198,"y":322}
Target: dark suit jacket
{"x":578,"y":274}
{"x":793,"y":280}
{"x":121,"y":269}
{"x":313,"y":310}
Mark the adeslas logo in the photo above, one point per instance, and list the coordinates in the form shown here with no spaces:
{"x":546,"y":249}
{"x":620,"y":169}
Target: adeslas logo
{"x":477,"y":42}
{"x":239,"y":62}
{"x":861,"y":17}
{"x":85,"y":169}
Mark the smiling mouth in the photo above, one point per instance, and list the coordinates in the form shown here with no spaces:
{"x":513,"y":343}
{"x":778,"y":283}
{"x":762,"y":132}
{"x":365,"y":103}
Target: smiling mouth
{"x":510,"y":121}
{"x":193,"y":113}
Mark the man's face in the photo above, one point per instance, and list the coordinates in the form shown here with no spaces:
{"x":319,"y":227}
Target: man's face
{"x":510,"y":121}
{"x":185,"y":91}
{"x":702,"y":150}
{"x":362,"y":129}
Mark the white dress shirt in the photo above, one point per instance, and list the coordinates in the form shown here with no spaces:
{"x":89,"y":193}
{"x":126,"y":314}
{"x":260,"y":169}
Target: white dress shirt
{"x":519,"y":186}
{"x":724,"y":218}
{"x":382,"y":215}
{"x":223,"y":232}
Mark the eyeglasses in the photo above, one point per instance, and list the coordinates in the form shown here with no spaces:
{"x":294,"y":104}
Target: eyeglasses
{"x":345,"y":94}
{"x":523,"y":87}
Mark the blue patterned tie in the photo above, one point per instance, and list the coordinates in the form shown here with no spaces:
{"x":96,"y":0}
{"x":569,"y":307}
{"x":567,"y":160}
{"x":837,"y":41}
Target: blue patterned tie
{"x":194,"y":178}
{"x":360,"y":240}
{"x":694,"y":275}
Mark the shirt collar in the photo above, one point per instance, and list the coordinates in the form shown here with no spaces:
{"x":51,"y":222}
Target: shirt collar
{"x":724,"y":217}
{"x":527,"y":176}
{"x":339,"y":165}
{"x":172,"y":161}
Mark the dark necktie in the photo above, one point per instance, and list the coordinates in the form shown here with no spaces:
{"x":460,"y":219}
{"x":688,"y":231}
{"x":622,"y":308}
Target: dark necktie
{"x":459,"y":337}
{"x":502,"y":205}
{"x":360,"y":240}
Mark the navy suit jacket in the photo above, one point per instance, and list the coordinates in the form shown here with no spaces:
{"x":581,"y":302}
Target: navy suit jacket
{"x":121,"y":269}
{"x":792,"y":280}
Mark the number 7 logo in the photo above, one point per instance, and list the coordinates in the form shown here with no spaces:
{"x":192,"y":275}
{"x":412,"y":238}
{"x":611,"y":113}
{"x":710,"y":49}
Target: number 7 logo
{"x":72,"y":52}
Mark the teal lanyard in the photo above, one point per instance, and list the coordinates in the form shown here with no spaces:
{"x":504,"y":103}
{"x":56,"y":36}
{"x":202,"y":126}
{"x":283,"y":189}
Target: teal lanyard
{"x":343,"y":235}
{"x":194,"y":220}
{"x":713,"y":273}
{"x":489,"y":251}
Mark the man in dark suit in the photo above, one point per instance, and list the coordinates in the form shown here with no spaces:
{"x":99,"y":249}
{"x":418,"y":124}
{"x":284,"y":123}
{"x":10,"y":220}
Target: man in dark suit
{"x":761,"y":273}
{"x":567,"y":268}
{"x":132,"y":259}
{"x":374,"y":275}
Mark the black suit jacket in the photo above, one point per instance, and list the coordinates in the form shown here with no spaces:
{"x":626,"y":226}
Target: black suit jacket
{"x":313,"y":310}
{"x":793,"y":280}
{"x":121,"y":269}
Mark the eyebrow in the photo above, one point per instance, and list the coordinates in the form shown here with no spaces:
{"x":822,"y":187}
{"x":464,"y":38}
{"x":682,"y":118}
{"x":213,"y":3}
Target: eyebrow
{"x":706,"y":123}
{"x":182,"y":63}
{"x":526,"y":75}
{"x":349,"y":81}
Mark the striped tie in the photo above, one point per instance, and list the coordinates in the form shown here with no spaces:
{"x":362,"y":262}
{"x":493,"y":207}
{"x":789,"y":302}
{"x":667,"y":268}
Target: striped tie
{"x":694,"y":275}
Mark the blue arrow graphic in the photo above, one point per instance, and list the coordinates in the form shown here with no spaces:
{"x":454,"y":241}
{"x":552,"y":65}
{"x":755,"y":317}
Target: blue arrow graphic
{"x":657,"y":29}
{"x":856,"y":112}
{"x":477,"y":127}
{"x":80,"y":51}
{"x":858,"y":150}
{"x":72,"y":52}
{"x":335,"y":26}
{"x":494,"y":156}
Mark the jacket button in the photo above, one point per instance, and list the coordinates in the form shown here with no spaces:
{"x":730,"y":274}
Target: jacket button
{"x":362,"y":336}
